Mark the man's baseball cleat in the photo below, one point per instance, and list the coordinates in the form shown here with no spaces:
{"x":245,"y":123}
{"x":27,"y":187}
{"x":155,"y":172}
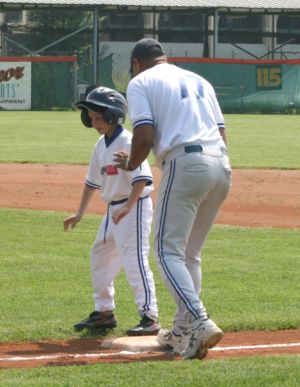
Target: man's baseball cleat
{"x":169,"y":339}
{"x":97,"y":320}
{"x":146,"y":327}
{"x":205,"y":334}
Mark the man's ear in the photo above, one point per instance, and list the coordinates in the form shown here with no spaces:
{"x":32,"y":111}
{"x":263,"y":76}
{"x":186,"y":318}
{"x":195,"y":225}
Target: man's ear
{"x":136,"y":66}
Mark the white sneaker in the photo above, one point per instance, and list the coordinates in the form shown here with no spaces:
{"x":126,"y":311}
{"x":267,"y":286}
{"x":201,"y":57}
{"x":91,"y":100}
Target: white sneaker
{"x":206,"y":334}
{"x":167,"y":338}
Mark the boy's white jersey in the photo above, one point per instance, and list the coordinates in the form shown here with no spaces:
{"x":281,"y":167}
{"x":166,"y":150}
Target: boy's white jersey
{"x":115,"y":184}
{"x":178,"y":90}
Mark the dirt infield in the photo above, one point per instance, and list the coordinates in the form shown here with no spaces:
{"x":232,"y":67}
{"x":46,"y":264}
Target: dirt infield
{"x":264,"y":198}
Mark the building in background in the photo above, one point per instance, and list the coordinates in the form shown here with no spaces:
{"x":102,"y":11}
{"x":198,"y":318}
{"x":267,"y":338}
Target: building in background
{"x":102,"y":39}
{"x":240,"y":34}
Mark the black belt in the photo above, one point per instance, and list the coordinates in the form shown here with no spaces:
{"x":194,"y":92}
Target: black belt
{"x":114,"y":202}
{"x":193,"y":148}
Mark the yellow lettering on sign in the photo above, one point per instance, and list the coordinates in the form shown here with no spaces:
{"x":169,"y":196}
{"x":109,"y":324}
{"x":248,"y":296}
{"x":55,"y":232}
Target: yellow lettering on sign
{"x":268,"y":77}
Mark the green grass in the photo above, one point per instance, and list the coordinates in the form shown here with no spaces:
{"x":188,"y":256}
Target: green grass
{"x":264,"y":141}
{"x":250,"y":275}
{"x":250,"y":278}
{"x":255,"y":141}
{"x":51,"y":137}
{"x":257,"y":371}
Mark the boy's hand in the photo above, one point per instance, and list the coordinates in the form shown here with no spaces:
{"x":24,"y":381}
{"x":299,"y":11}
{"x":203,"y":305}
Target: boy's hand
{"x":120,"y":214}
{"x":71,"y":221}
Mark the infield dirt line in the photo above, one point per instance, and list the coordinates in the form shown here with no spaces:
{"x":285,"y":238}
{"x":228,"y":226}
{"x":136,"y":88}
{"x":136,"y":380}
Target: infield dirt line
{"x":134,"y":353}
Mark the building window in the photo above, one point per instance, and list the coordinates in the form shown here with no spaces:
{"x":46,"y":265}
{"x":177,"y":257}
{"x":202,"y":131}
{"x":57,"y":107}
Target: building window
{"x":246,"y":28}
{"x":288,"y":27}
{"x":122,"y":27}
{"x":13,"y":17}
{"x":181,"y":27}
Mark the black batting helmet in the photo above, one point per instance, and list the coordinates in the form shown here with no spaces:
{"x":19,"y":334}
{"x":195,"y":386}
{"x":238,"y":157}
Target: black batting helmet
{"x":110,"y":103}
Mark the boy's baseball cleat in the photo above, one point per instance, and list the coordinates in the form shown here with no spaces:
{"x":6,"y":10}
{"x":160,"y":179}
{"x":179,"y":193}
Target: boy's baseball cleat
{"x":205,"y":334}
{"x":97,"y":320}
{"x":146,"y":327}
{"x":169,"y":339}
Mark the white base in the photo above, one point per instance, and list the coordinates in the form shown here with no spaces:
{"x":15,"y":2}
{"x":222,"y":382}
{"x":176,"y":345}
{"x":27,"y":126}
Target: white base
{"x":134,"y":344}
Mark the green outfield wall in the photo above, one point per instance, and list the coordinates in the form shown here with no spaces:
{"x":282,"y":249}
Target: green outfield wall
{"x":242,"y":86}
{"x":250,"y":86}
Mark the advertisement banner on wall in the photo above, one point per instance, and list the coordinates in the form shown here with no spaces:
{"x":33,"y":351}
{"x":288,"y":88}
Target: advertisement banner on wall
{"x":15,"y":85}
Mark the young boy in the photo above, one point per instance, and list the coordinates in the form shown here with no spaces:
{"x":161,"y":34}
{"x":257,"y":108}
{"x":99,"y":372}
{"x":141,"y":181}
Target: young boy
{"x":123,"y":237}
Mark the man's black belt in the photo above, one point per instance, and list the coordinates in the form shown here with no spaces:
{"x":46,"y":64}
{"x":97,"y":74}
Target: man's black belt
{"x":193,"y":148}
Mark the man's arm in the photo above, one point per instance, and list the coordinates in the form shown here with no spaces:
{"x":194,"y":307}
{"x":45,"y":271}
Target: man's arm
{"x":223,"y":134}
{"x":142,"y":141}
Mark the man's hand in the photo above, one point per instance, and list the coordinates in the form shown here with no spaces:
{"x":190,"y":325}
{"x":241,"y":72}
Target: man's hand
{"x":71,"y":221}
{"x":141,"y":145}
{"x":121,"y":159}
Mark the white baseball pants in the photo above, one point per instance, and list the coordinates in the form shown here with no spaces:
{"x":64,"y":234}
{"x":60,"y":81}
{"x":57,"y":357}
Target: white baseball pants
{"x":124,"y":245}
{"x":194,"y":184}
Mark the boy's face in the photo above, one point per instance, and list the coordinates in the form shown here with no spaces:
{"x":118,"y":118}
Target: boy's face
{"x":100,"y":124}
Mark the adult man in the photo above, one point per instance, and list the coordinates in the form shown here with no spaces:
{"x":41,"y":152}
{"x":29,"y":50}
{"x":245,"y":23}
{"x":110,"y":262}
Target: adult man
{"x":175,"y":112}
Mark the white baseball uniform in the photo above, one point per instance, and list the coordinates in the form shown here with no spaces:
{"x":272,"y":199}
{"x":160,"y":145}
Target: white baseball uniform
{"x":196,"y":174}
{"x":127,"y":243}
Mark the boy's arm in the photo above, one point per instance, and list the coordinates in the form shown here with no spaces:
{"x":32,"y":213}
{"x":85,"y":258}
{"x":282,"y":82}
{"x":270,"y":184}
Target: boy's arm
{"x":135,"y":194}
{"x":86,"y":196}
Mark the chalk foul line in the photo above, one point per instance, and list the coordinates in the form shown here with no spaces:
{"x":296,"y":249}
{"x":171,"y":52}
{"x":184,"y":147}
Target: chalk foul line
{"x":129,"y":353}
{"x":68,"y":355}
{"x":259,"y":346}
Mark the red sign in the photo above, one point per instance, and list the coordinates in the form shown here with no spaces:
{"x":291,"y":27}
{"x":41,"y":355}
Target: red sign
{"x":7,"y":75}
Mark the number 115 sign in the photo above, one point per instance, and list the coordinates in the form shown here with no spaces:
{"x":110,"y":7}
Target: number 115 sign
{"x":268,"y":77}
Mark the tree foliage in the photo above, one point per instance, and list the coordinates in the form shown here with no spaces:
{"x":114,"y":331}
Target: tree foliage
{"x":46,"y":27}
